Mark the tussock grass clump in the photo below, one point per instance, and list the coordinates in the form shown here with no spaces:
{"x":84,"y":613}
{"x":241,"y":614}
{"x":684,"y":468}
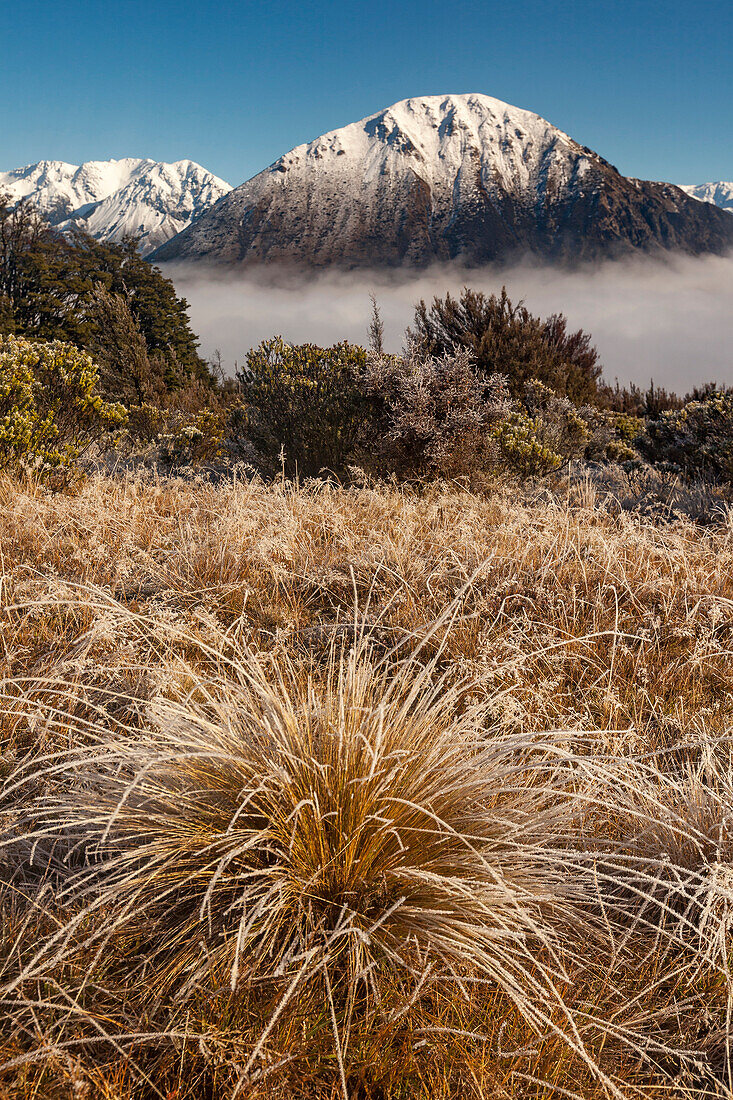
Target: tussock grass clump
{"x":359,"y":821}
{"x":370,"y":826}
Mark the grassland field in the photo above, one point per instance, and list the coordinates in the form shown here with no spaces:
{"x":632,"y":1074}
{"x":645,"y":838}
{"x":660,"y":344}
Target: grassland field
{"x":318,"y":792}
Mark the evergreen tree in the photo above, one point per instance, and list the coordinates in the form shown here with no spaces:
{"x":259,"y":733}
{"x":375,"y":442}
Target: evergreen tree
{"x":375,"y":332}
{"x":48,"y":290}
{"x":118,"y":345}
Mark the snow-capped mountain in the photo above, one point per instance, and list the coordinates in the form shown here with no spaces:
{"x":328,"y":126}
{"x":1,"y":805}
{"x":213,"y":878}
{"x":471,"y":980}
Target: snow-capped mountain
{"x":112,"y":198}
{"x":454,"y":177}
{"x":720,"y":194}
{"x":57,"y":189}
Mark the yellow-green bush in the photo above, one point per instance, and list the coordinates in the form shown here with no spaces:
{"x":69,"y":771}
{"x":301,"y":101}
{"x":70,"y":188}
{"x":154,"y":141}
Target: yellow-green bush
{"x":520,"y":448}
{"x":192,"y":438}
{"x":51,"y":414}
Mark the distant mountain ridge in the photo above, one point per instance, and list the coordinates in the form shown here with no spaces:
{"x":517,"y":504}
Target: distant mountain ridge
{"x":719,"y":193}
{"x":110,"y":199}
{"x":460,"y":178}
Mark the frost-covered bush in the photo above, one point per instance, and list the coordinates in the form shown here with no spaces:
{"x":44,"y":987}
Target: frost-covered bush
{"x":435,"y":413}
{"x":417,"y":415}
{"x":190,"y":439}
{"x":587,"y":432}
{"x":442,"y":417}
{"x":557,"y":423}
{"x":520,"y":449}
{"x":696,"y":439}
{"x":623,"y":432}
{"x":51,"y":414}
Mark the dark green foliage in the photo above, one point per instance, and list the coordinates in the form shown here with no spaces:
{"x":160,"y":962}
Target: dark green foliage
{"x":20,"y":232}
{"x":128,"y":372}
{"x":47,"y":290}
{"x":507,"y":339}
{"x":696,"y":439}
{"x":306,"y":401}
{"x":634,"y":401}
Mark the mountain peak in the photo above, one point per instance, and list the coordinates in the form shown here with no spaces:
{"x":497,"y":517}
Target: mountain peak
{"x":114,"y":198}
{"x":719,"y":193}
{"x":438,"y":132}
{"x":465,"y":178}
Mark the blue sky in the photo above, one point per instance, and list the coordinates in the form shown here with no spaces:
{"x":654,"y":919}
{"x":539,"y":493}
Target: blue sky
{"x":234,"y":85}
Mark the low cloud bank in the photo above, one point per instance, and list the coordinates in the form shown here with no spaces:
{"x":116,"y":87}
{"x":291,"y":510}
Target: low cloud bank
{"x":672,"y":322}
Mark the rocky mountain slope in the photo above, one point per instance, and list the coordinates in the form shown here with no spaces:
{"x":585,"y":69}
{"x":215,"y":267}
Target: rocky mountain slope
{"x":441,"y":178}
{"x":110,"y":199}
{"x":719,"y":193}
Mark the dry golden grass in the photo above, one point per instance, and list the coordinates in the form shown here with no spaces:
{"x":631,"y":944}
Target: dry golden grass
{"x":313,"y":792}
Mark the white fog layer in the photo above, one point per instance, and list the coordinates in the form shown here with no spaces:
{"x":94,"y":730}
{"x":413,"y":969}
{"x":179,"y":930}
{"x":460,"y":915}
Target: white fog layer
{"x":672,"y":321}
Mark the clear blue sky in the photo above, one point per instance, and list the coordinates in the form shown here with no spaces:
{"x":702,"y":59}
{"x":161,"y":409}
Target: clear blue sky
{"x":649,"y":85}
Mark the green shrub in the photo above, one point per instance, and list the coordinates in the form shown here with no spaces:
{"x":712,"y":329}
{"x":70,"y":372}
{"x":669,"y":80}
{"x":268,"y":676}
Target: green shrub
{"x":304,"y":401}
{"x":127,"y":371}
{"x":507,"y":339}
{"x":696,"y":439}
{"x":613,"y":436}
{"x":557,"y":423}
{"x":520,"y":451}
{"x":51,"y":414}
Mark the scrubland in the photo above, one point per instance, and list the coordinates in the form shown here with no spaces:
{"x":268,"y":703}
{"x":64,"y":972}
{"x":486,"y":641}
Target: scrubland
{"x":369,"y":792}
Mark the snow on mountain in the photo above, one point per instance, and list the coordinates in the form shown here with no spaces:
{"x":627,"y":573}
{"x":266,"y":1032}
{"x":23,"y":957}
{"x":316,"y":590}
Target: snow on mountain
{"x":155,"y":204}
{"x":57,"y":189}
{"x":438,"y":178}
{"x":112,"y":198}
{"x":720,"y":194}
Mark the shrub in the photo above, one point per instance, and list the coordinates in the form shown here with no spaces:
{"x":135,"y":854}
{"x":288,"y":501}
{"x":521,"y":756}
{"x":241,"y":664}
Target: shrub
{"x":171,"y":437}
{"x":50,"y":411}
{"x":633,"y":401}
{"x":436,"y":413}
{"x":507,"y":339}
{"x":191,"y":439}
{"x":441,"y":417}
{"x":304,"y":401}
{"x":613,"y":436}
{"x":558,"y":423}
{"x":696,"y":439}
{"x":520,"y":450}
